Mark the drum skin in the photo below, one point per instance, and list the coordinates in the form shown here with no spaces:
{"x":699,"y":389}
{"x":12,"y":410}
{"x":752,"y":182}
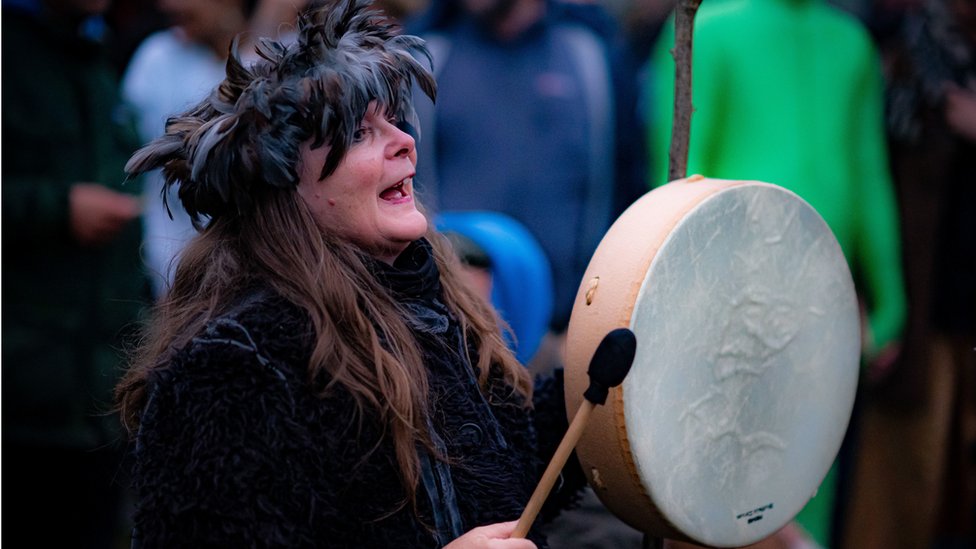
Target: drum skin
{"x":747,"y":360}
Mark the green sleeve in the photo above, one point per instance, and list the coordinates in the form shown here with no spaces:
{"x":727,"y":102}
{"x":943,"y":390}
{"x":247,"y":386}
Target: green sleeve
{"x":878,"y":243}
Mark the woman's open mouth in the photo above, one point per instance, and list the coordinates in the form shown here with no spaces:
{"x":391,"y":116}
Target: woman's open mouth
{"x":397,"y":192}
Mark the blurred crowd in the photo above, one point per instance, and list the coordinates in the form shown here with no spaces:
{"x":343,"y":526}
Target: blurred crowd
{"x":556,"y":115}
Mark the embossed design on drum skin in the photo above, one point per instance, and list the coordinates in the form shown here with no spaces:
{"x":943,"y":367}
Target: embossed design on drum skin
{"x":761,"y":325}
{"x":732,"y":438}
{"x":760,"y":321}
{"x":758,"y":324}
{"x":715,"y":420}
{"x":690,"y":267}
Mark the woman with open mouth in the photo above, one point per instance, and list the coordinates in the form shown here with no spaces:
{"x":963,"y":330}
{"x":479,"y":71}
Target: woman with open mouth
{"x":318,"y":375}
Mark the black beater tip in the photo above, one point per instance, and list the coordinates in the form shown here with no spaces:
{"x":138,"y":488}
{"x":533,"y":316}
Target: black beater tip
{"x":610,"y":363}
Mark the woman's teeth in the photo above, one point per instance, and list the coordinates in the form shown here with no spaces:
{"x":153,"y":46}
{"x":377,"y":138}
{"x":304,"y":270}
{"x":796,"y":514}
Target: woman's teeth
{"x":395,"y":192}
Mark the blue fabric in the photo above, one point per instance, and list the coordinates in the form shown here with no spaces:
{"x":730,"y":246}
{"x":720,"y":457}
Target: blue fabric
{"x":512,"y":132}
{"x":522,"y":288}
{"x":522,"y":149}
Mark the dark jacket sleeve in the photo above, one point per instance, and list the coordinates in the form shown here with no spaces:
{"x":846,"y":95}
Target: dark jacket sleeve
{"x":551,"y":423}
{"x":222,"y":460}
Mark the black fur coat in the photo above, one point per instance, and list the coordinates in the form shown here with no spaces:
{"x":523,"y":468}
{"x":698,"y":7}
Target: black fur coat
{"x":235,"y":450}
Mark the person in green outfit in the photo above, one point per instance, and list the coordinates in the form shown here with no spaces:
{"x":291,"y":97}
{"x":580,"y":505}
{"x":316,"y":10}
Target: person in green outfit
{"x":790,"y":92}
{"x":72,"y":277}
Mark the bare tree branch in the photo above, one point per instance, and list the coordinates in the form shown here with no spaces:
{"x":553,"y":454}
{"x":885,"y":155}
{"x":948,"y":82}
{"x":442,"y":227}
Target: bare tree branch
{"x":684,"y":19}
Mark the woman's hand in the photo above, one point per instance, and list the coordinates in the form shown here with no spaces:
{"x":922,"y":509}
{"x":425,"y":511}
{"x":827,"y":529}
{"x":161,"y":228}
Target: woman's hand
{"x":493,"y":536}
{"x":98,"y":214}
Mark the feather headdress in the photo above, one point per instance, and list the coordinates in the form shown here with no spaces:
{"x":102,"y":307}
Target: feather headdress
{"x":246,"y":136}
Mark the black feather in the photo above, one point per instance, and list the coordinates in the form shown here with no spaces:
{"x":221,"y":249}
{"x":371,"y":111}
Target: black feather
{"x":247,"y":135}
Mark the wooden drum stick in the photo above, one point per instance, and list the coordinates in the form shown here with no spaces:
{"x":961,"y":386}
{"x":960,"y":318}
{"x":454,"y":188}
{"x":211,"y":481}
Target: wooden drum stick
{"x":610,"y":363}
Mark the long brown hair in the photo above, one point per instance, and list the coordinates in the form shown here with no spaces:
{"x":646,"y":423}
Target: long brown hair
{"x":235,"y":157}
{"x":371,"y":352}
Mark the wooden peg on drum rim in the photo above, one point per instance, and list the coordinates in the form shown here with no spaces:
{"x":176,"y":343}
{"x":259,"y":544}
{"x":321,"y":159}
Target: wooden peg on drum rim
{"x":609,"y":366}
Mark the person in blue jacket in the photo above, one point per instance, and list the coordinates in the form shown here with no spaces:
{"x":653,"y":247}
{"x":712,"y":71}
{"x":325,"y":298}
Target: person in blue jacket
{"x":536,"y":119}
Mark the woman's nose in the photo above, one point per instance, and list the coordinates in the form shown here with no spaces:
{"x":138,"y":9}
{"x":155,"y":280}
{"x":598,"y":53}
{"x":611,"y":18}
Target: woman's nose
{"x":401,"y":143}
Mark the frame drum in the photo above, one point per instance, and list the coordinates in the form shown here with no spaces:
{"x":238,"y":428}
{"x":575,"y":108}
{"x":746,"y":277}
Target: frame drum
{"x":748,"y":346}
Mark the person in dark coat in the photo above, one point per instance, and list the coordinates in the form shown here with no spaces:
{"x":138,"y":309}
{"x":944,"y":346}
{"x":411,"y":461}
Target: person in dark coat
{"x":319,"y":375}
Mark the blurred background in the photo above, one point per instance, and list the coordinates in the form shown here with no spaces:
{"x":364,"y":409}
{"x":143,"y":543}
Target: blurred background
{"x":552,"y":117}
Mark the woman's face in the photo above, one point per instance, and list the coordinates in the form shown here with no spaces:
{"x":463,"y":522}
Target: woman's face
{"x":368,"y":199}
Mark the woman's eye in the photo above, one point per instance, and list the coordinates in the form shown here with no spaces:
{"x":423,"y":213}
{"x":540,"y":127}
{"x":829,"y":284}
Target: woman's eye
{"x":360,"y":134}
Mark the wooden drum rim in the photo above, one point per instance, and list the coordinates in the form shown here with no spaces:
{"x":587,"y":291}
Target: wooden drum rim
{"x":605,"y":302}
{"x":607,"y":299}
